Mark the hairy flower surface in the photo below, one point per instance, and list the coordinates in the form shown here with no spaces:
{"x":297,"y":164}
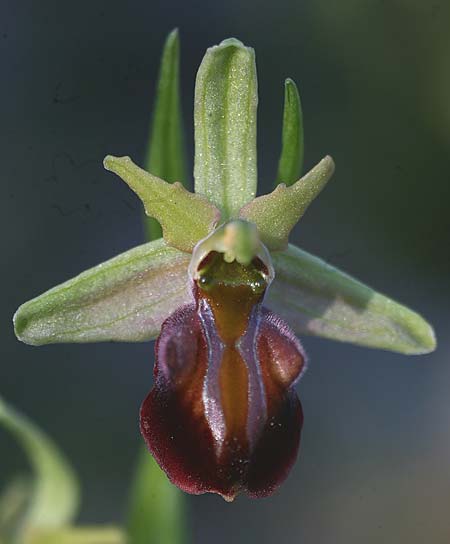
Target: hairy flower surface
{"x":220,"y":291}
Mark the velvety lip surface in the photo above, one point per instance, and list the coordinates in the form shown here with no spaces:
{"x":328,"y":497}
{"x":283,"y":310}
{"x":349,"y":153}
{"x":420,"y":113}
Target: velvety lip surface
{"x":223,"y":415}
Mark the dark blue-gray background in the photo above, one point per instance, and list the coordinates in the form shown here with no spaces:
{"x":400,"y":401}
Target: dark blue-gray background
{"x":78,"y":82}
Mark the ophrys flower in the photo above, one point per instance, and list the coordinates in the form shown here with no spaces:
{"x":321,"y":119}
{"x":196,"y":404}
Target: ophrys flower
{"x":223,"y":415}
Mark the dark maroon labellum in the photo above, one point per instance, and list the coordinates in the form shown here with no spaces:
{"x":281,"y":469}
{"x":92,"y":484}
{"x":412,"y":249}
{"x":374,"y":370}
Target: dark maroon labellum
{"x":223,"y":415}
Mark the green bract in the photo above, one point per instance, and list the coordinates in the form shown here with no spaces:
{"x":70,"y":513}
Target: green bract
{"x":165,"y":156}
{"x":128,"y":297}
{"x":291,"y":158}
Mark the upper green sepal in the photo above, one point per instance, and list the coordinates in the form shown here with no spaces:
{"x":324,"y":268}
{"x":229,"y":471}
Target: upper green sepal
{"x":185,"y":217}
{"x":226,"y":98}
{"x":317,"y":298}
{"x":277,"y":213}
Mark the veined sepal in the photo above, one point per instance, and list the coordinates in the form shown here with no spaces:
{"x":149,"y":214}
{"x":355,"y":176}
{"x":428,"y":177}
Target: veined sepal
{"x":123,"y":299}
{"x":317,"y":298}
{"x":226,"y":98}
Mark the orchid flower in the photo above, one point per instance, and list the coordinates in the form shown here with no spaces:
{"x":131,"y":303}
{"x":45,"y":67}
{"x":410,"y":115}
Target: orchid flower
{"x":224,"y":294}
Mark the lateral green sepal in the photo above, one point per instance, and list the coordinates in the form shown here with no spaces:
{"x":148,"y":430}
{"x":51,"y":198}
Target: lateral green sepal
{"x":316,"y":298}
{"x":124,"y":299}
{"x":277,"y":213}
{"x":185,"y":217}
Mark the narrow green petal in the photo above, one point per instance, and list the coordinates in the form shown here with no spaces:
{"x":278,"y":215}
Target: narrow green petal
{"x":166,"y":155}
{"x":54,"y":501}
{"x":156,"y":508}
{"x":124,"y":299}
{"x":185,"y":217}
{"x":292,"y":143}
{"x":277,"y":213}
{"x":316,"y":298}
{"x":78,"y":535}
{"x":225,"y":105}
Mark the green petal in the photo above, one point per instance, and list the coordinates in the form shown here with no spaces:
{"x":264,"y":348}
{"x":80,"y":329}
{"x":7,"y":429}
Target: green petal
{"x":316,"y":298}
{"x":124,"y":299}
{"x":277,"y":213}
{"x":156,"y":507}
{"x":291,"y":159}
{"x":54,"y":501}
{"x":225,"y":105}
{"x":82,"y":535}
{"x":165,"y":156}
{"x":185,"y":217}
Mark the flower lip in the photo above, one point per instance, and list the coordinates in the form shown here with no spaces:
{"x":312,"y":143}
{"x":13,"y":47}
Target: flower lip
{"x":225,"y":368}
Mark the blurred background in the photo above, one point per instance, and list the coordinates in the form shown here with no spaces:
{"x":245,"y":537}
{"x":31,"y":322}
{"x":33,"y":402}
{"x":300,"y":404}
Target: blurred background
{"x":78,"y":82}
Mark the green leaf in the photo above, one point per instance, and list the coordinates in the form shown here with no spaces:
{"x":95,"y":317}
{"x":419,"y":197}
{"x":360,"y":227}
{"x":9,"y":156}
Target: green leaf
{"x":225,"y":105}
{"x":185,"y":217}
{"x":316,"y":298}
{"x":55,"y":497}
{"x":292,"y":143}
{"x":156,"y":507}
{"x":166,"y":156}
{"x":82,"y":535}
{"x":124,"y":299}
{"x":14,"y":500}
{"x":277,"y":213}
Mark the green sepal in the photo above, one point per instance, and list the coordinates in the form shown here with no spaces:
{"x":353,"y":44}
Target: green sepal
{"x":165,"y":157}
{"x":277,"y":213}
{"x":123,"y":299}
{"x":55,"y":491}
{"x":292,"y":141}
{"x":316,"y":298}
{"x":185,"y":217}
{"x":225,"y":106}
{"x":156,"y":512}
